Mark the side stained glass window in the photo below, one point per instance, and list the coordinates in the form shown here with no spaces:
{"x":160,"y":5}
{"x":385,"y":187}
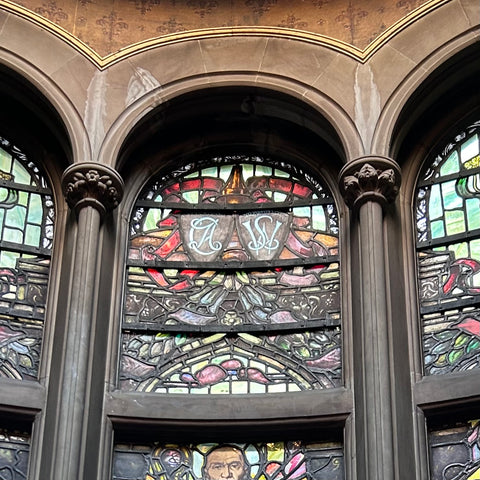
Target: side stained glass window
{"x":232,"y":282}
{"x":26,"y":236}
{"x":255,"y":461}
{"x":448,"y":255}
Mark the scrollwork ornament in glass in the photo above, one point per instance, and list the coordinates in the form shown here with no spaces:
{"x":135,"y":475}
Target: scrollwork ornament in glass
{"x":26,"y":236}
{"x":448,"y":255}
{"x":239,"y":245}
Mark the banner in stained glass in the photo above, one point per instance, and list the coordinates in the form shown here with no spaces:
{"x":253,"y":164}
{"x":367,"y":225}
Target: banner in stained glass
{"x":455,"y":452}
{"x":448,"y":255}
{"x":237,"y":246}
{"x":14,"y":451}
{"x":235,"y":461}
{"x":26,"y":236}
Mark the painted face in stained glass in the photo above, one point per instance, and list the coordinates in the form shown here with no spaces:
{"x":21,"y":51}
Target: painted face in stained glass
{"x":237,"y":247}
{"x":448,"y":246}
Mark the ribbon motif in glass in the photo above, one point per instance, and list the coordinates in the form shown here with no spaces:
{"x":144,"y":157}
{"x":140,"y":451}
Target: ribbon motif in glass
{"x":455,"y":452}
{"x":266,"y":461}
{"x":26,"y":235}
{"x":448,"y":246}
{"x":232,"y":245}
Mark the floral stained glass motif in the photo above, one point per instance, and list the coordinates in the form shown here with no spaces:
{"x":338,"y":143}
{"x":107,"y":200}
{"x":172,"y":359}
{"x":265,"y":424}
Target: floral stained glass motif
{"x":455,"y":452}
{"x":26,"y":235}
{"x":232,"y":245}
{"x":448,"y":251}
{"x":14,"y":451}
{"x":266,"y":461}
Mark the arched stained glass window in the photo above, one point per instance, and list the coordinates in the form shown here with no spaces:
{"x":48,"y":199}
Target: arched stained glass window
{"x":232,"y":281}
{"x":26,"y":235}
{"x":448,"y":246}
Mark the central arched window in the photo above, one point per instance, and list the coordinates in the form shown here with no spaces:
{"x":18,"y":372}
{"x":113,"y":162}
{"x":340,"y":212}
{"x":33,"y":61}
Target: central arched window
{"x":232,"y":281}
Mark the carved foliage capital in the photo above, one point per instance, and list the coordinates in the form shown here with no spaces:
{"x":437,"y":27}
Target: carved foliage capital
{"x":92,"y":184}
{"x":370,"y":179}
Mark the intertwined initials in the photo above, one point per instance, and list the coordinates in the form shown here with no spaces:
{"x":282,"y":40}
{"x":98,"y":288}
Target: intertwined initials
{"x":204,"y":227}
{"x":261,"y":239}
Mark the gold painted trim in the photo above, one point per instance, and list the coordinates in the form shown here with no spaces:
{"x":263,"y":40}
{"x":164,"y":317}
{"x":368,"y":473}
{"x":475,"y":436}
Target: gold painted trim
{"x":279,"y":32}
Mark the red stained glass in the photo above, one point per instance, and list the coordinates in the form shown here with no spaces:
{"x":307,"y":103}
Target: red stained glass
{"x":280,"y":184}
{"x":169,"y":245}
{"x":301,"y":191}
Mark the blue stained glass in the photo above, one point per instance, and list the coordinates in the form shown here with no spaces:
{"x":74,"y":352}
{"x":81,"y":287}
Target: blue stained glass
{"x":35,"y":210}
{"x":16,"y":216}
{"x":435,"y":208}
{"x":450,"y":197}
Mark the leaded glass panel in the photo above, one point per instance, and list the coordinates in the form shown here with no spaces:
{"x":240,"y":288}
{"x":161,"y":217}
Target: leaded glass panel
{"x":26,"y":235}
{"x":221,"y":251}
{"x":14,"y":451}
{"x":455,"y":452}
{"x":254,"y":461}
{"x":448,"y":255}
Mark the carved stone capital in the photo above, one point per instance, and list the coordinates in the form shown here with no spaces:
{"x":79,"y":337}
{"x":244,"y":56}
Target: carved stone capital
{"x":94,"y":185}
{"x":369,"y":178}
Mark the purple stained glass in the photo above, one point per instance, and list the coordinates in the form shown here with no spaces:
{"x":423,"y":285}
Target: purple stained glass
{"x":455,"y":452}
{"x":448,"y":255}
{"x":236,"y":461}
{"x":239,"y":246}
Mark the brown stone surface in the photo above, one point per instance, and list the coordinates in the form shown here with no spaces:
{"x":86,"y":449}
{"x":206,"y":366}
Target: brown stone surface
{"x":110,"y":25}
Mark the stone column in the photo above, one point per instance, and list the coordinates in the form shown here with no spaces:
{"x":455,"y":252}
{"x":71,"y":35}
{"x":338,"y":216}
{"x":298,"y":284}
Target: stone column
{"x":92,"y":190}
{"x":368,"y":184}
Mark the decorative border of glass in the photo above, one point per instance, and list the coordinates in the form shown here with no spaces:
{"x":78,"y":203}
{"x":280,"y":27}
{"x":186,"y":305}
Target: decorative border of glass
{"x":448,"y":255}
{"x":26,"y":235}
{"x":221,"y":252}
{"x":252,"y":461}
{"x":455,"y":452}
{"x":14,"y":452}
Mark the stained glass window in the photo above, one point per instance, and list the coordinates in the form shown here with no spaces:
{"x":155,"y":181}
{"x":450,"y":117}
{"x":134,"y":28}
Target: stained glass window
{"x":14,"y":451}
{"x":455,"y":452}
{"x":265,"y":461}
{"x":232,"y":281}
{"x":448,"y":251}
{"x":26,"y":235}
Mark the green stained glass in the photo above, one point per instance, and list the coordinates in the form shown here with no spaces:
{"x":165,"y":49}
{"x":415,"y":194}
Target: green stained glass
{"x":475,"y":249}
{"x":16,"y":216}
{"x":455,"y":222}
{"x":13,"y":235}
{"x":319,"y":219}
{"x":279,"y":197}
{"x":435,"y":207}
{"x":451,"y":165}
{"x":263,"y":170}
{"x":437,"y":229}
{"x":8,"y":259}
{"x":473,"y":213}
{"x":460,"y":250}
{"x":281,"y":173}
{"x":33,"y":235}
{"x":21,"y":175}
{"x":302,"y":212}
{"x":248,"y":171}
{"x":451,"y":199}
{"x":191,"y":197}
{"x":35,"y":210}
{"x":206,"y":172}
{"x":5,"y":161}
{"x":469,"y":148}
{"x":23,"y":199}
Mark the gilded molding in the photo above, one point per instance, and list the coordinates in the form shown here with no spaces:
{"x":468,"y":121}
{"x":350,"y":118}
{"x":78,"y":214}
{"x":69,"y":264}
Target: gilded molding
{"x":369,"y":179}
{"x":102,"y":62}
{"x":94,"y":185}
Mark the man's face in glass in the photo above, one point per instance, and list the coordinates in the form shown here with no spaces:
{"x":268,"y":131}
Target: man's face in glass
{"x":225,"y":464}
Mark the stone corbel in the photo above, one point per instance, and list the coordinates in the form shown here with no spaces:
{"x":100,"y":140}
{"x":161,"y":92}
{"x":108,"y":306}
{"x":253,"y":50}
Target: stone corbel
{"x":369,"y":178}
{"x":94,"y":185}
